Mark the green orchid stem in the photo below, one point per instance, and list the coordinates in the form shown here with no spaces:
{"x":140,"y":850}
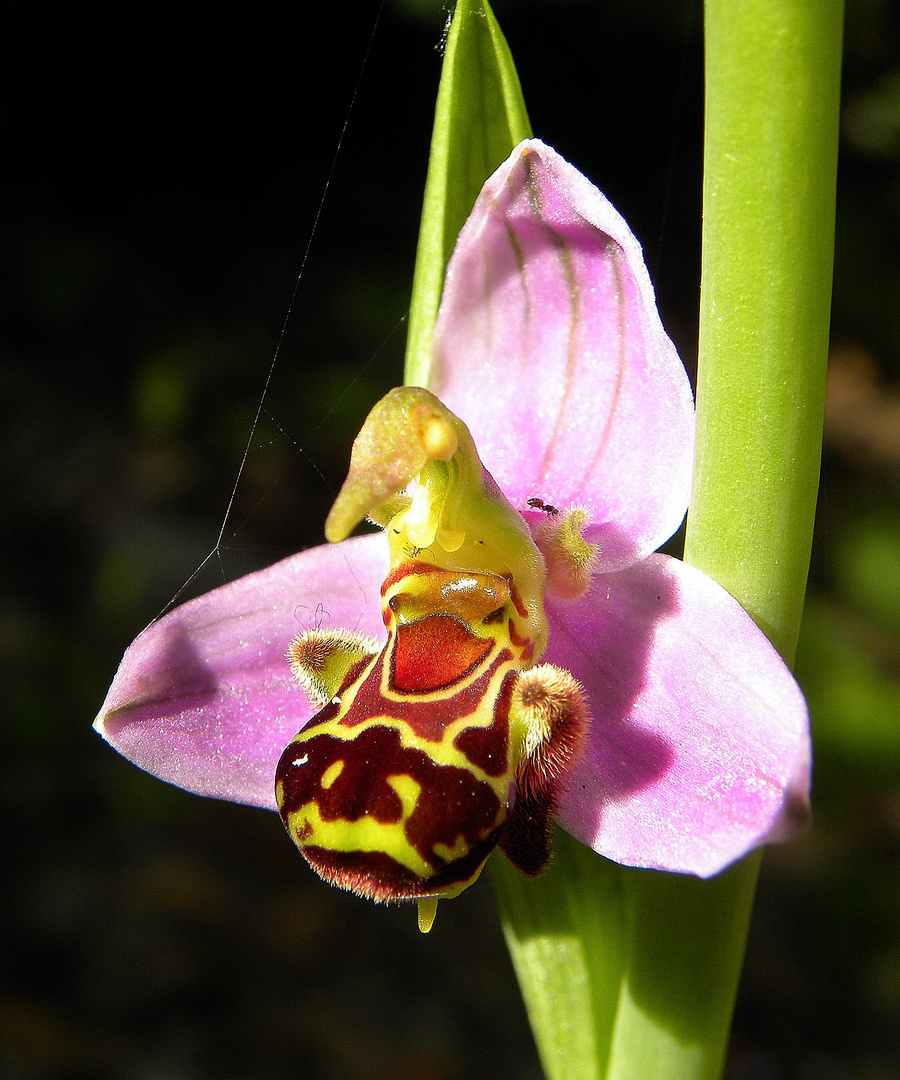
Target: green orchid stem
{"x":655,"y":958}
{"x":773,"y":88}
{"x":773,"y":81}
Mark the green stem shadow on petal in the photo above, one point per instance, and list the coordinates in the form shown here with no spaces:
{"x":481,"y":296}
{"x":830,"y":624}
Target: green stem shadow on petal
{"x":479,"y":118}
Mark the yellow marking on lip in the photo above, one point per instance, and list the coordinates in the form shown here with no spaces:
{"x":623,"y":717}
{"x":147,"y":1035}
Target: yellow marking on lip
{"x":449,"y":854}
{"x":331,"y":774}
{"x":365,"y":834}
{"x":408,"y":790}
{"x":482,"y":715}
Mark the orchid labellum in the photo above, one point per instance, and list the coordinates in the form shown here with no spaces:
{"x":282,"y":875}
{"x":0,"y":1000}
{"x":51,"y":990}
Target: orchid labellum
{"x":512,"y":650}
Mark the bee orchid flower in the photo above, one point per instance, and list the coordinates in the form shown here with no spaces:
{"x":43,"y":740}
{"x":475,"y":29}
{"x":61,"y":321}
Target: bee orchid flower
{"x":512,"y":650}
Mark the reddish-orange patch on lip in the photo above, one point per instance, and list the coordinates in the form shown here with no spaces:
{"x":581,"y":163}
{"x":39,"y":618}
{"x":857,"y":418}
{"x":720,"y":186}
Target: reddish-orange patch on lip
{"x":433,"y":653}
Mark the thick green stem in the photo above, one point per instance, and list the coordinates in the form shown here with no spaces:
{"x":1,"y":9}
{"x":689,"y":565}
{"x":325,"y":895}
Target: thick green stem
{"x":772,"y":83}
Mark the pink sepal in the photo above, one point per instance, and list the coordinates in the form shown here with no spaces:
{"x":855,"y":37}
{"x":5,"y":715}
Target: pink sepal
{"x":549,"y":346}
{"x":204,"y":697}
{"x":699,"y":747}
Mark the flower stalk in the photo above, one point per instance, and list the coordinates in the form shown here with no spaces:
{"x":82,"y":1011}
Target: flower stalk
{"x":772,"y":106}
{"x":773,"y":85}
{"x":659,"y":1003}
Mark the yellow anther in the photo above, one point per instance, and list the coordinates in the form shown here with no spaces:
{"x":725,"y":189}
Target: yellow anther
{"x":439,"y":440}
{"x":567,"y":554}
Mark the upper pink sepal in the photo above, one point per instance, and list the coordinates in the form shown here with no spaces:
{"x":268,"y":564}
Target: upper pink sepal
{"x":699,"y":747}
{"x":205,"y":698}
{"x":549,"y":344}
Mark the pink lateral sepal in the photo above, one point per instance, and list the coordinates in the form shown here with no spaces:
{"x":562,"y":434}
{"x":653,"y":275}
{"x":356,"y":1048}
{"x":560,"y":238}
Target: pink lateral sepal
{"x":205,"y":699}
{"x":699,"y":747}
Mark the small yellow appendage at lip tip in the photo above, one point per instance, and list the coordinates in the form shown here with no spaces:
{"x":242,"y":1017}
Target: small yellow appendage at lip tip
{"x":427,"y":911}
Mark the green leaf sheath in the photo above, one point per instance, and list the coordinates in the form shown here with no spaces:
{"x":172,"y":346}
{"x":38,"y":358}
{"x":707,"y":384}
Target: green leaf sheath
{"x":559,"y":926}
{"x":567,"y":934}
{"x":480,"y":117}
{"x":685,"y":946}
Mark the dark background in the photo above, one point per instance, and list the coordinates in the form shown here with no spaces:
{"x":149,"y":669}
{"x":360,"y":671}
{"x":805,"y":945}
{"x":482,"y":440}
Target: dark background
{"x":162,"y":174}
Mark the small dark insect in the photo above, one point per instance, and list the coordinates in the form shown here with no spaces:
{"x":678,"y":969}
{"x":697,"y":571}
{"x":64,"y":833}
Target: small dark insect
{"x":539,"y":504}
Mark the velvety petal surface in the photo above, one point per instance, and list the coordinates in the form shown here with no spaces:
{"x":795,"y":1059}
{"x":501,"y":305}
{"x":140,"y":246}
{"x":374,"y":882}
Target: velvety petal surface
{"x":549,"y":346}
{"x":204,"y":698}
{"x":699,"y":747}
